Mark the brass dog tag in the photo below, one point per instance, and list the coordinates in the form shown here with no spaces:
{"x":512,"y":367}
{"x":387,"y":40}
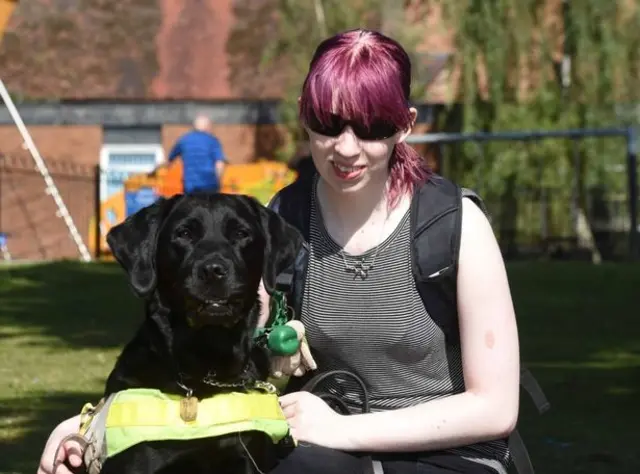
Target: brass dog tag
{"x":189,"y":408}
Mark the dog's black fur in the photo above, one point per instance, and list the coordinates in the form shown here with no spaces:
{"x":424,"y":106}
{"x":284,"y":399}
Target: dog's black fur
{"x":197,"y":261}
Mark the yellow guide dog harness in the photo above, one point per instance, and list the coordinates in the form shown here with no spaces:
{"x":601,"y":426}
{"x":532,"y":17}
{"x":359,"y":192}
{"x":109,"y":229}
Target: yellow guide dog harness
{"x":134,"y":416}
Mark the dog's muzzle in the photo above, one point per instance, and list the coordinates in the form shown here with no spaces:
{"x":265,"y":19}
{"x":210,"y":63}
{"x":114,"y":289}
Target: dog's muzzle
{"x":212,"y":313}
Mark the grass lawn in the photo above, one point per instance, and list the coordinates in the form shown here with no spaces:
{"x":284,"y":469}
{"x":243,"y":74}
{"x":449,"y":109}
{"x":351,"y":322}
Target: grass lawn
{"x":62,"y":325}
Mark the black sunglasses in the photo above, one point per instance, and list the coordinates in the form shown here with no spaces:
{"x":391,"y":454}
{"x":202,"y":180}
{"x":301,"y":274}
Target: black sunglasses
{"x":377,"y":130}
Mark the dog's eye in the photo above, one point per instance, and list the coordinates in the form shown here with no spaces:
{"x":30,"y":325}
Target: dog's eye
{"x":184,"y":233}
{"x":240,"y":234}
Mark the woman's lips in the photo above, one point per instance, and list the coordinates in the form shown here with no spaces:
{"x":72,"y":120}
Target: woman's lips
{"x":347,"y":173}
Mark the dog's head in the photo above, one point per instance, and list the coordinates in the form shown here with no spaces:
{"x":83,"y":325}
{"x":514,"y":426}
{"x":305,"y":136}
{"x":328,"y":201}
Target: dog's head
{"x":203,"y":256}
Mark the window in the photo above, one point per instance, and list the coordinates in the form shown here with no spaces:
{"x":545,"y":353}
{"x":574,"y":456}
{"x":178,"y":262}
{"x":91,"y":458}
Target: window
{"x":118,"y":161}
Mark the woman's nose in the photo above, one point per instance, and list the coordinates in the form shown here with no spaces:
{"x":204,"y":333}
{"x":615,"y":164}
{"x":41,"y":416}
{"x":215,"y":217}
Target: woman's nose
{"x":347,"y":144}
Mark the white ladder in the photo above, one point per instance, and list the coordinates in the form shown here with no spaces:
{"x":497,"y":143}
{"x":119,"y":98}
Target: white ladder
{"x":50,"y":187}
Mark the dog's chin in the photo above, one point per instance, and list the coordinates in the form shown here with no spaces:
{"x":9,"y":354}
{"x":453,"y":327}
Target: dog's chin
{"x":212,"y":313}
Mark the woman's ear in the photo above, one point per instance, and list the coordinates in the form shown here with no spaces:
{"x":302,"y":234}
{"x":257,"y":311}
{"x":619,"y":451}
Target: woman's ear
{"x":405,"y":133}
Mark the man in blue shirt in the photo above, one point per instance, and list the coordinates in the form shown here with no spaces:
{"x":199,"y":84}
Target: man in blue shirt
{"x":202,"y":158}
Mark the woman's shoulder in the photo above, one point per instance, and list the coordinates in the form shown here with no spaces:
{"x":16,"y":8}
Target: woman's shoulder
{"x":475,"y":230}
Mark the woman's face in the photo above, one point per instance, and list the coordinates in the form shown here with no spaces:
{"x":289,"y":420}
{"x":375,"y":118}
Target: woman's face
{"x":348,"y":163}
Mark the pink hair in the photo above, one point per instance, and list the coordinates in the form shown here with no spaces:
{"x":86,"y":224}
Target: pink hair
{"x":371,"y":74}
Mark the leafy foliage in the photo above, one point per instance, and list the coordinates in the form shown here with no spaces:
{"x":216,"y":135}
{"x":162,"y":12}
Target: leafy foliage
{"x":509,"y":54}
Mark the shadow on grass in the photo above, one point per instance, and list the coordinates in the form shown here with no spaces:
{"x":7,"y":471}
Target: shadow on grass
{"x":82,"y":305}
{"x":592,"y":425}
{"x":576,"y":312}
{"x":30,"y":420}
{"x":579,"y":327}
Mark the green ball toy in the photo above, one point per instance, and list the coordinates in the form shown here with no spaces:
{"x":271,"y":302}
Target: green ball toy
{"x":283,"y":341}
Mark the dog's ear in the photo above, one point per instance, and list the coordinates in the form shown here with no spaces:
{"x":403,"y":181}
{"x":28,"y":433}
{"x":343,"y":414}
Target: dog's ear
{"x":133,"y":244}
{"x":283,"y":243}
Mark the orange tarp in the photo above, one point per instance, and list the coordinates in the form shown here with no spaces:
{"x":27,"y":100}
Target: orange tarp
{"x":6,"y":9}
{"x":261,"y":179}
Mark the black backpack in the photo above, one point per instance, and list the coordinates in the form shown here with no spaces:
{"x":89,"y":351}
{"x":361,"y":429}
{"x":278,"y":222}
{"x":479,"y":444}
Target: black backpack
{"x":436,"y":219}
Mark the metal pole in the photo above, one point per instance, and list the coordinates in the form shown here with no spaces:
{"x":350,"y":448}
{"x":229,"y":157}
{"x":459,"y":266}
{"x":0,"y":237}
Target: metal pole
{"x":97,"y":212}
{"x":632,"y":174}
{"x":4,"y":237}
{"x":1,"y":178}
{"x":575,"y":191}
{"x":544,"y":224}
{"x":524,"y":135}
{"x":480,"y":166}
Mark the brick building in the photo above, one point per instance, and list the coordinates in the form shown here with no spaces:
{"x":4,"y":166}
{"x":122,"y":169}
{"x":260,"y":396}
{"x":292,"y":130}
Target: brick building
{"x":98,"y":82}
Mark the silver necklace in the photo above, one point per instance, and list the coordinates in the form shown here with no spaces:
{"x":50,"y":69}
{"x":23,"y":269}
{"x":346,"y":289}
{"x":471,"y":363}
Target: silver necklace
{"x":361,"y":268}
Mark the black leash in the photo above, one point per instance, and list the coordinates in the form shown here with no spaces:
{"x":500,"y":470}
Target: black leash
{"x":310,"y":386}
{"x":519,"y":454}
{"x":369,"y":466}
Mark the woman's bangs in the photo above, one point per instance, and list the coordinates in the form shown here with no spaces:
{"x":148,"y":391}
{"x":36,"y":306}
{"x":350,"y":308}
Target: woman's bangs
{"x":353,"y":95}
{"x":316,"y":101}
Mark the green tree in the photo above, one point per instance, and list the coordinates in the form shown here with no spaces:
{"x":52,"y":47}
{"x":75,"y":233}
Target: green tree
{"x":512,"y":77}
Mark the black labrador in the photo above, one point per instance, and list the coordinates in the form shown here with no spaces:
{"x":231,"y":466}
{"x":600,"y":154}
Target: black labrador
{"x":197,"y":261}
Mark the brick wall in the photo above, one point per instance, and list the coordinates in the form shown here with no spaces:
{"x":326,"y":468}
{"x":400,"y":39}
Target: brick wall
{"x":27,"y":214}
{"x":77,"y":144}
{"x":72,"y":153}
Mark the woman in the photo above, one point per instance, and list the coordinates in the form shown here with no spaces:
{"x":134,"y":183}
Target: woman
{"x":360,"y":306}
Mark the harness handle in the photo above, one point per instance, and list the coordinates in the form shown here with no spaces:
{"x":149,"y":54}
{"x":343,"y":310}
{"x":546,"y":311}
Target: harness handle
{"x":311,"y":385}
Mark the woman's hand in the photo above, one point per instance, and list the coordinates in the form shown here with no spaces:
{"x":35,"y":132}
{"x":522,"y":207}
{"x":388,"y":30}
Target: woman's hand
{"x":70,"y":451}
{"x":312,"y":421}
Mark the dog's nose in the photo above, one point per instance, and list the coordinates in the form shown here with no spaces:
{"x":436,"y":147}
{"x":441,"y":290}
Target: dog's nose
{"x":214,"y":270}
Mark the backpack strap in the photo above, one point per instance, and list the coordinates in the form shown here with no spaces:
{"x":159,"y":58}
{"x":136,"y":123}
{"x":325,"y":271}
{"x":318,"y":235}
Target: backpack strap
{"x":468,"y":193}
{"x":293,"y":203}
{"x":436,"y":221}
{"x":436,"y":228}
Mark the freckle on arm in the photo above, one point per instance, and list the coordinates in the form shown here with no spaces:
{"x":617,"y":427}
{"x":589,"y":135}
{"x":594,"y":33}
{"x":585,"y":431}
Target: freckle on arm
{"x":489,"y":339}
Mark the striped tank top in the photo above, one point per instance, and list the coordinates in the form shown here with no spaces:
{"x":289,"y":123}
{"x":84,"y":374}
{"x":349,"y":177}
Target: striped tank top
{"x":379,"y":329}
